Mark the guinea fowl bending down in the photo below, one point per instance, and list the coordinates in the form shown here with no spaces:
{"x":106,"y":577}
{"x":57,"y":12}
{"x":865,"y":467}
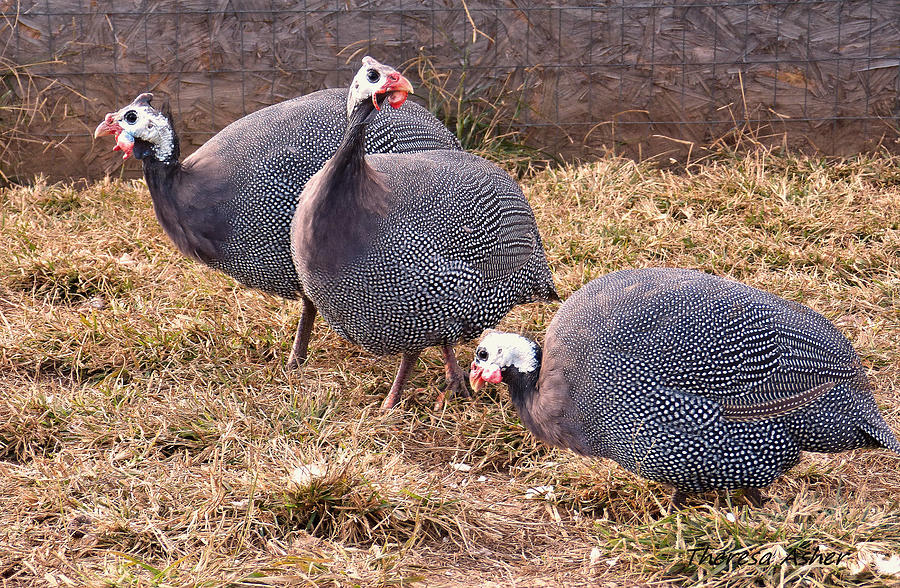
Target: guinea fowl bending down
{"x":401,"y":252}
{"x":688,"y":379}
{"x":229,"y":205}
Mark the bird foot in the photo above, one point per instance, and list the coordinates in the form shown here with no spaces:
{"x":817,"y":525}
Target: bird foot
{"x":457,"y":379}
{"x":456,"y":386}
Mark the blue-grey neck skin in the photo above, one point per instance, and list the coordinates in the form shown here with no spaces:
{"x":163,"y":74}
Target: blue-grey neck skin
{"x":348,"y":203}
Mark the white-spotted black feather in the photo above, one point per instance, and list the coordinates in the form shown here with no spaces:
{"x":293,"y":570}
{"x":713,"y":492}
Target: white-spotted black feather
{"x":696,"y":381}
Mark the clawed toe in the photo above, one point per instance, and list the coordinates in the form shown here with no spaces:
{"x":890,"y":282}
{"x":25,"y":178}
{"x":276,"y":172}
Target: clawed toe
{"x":457,"y":378}
{"x":457,"y":387}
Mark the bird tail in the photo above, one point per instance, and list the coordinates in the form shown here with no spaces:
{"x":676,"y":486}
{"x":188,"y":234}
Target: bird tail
{"x":871,"y":422}
{"x":544,"y":290}
{"x":880,"y":434}
{"x":549,"y":294}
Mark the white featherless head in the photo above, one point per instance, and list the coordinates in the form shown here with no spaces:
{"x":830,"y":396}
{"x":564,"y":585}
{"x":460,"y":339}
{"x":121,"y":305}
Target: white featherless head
{"x":375,"y":78}
{"x":507,"y":350}
{"x":139,"y":120}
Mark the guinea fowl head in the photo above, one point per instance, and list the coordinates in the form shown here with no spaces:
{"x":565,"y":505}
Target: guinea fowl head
{"x":374,"y":81}
{"x":141,"y":130}
{"x":504,"y":357}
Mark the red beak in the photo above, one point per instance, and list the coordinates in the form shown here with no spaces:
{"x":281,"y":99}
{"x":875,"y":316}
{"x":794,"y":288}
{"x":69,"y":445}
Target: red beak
{"x":397,"y":88}
{"x":124,"y":143}
{"x":478,"y":377}
{"x":107,"y":127}
{"x":475,"y":379}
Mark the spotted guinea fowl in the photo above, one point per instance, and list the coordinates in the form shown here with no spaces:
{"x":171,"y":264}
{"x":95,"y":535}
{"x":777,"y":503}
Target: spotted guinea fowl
{"x":230,"y":203}
{"x":400,"y":252}
{"x":688,"y":379}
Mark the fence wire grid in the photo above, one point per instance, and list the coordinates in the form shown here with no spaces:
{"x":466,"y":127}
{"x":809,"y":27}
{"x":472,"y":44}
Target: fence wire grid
{"x":571,"y":78}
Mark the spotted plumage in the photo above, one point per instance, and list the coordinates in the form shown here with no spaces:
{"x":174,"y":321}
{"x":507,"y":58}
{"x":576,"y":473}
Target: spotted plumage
{"x":456,"y":251}
{"x":400,"y":252}
{"x":690,"y":379}
{"x":230,"y":203}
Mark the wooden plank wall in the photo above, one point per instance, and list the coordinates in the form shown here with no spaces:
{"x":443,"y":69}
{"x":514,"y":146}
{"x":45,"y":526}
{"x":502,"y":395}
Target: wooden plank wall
{"x":637,"y":78}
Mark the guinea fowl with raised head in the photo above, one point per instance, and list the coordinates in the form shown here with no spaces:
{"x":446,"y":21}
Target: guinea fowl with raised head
{"x":229,"y":204}
{"x":689,"y":379}
{"x":400,"y":252}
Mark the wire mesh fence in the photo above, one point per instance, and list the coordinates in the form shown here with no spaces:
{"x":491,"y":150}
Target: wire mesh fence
{"x":570,"y":79}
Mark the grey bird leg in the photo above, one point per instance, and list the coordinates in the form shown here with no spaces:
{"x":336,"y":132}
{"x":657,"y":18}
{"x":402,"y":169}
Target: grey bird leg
{"x":457,"y":378}
{"x":406,"y":364}
{"x":754,"y":496}
{"x":679,"y":499}
{"x":304,"y":330}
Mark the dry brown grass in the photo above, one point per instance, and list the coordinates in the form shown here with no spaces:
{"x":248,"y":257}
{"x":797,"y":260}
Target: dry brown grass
{"x":26,"y":98}
{"x":149,"y":435}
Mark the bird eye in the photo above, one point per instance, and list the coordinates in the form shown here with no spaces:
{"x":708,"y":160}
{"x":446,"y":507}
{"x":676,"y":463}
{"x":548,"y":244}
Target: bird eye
{"x":130,"y":117}
{"x":481,"y":354}
{"x":373,"y":75}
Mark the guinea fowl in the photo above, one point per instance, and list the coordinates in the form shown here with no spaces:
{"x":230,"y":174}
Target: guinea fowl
{"x":400,"y":252}
{"x":688,"y":379}
{"x":229,"y":205}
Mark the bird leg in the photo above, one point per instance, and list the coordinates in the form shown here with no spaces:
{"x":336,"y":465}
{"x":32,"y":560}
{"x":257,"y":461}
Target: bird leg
{"x":754,"y":496}
{"x":407,"y":362}
{"x":457,"y":378}
{"x":304,"y":330}
{"x":679,"y":499}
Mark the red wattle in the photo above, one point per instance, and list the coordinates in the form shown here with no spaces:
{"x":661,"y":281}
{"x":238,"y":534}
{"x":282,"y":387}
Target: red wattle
{"x":397,"y":98}
{"x":124,"y":143}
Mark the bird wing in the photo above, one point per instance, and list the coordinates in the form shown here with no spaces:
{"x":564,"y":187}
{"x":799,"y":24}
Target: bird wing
{"x":407,"y":129}
{"x":760,"y":411}
{"x":756,"y":364}
{"x":466,"y":208}
{"x":507,"y":241}
{"x":755,"y":354}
